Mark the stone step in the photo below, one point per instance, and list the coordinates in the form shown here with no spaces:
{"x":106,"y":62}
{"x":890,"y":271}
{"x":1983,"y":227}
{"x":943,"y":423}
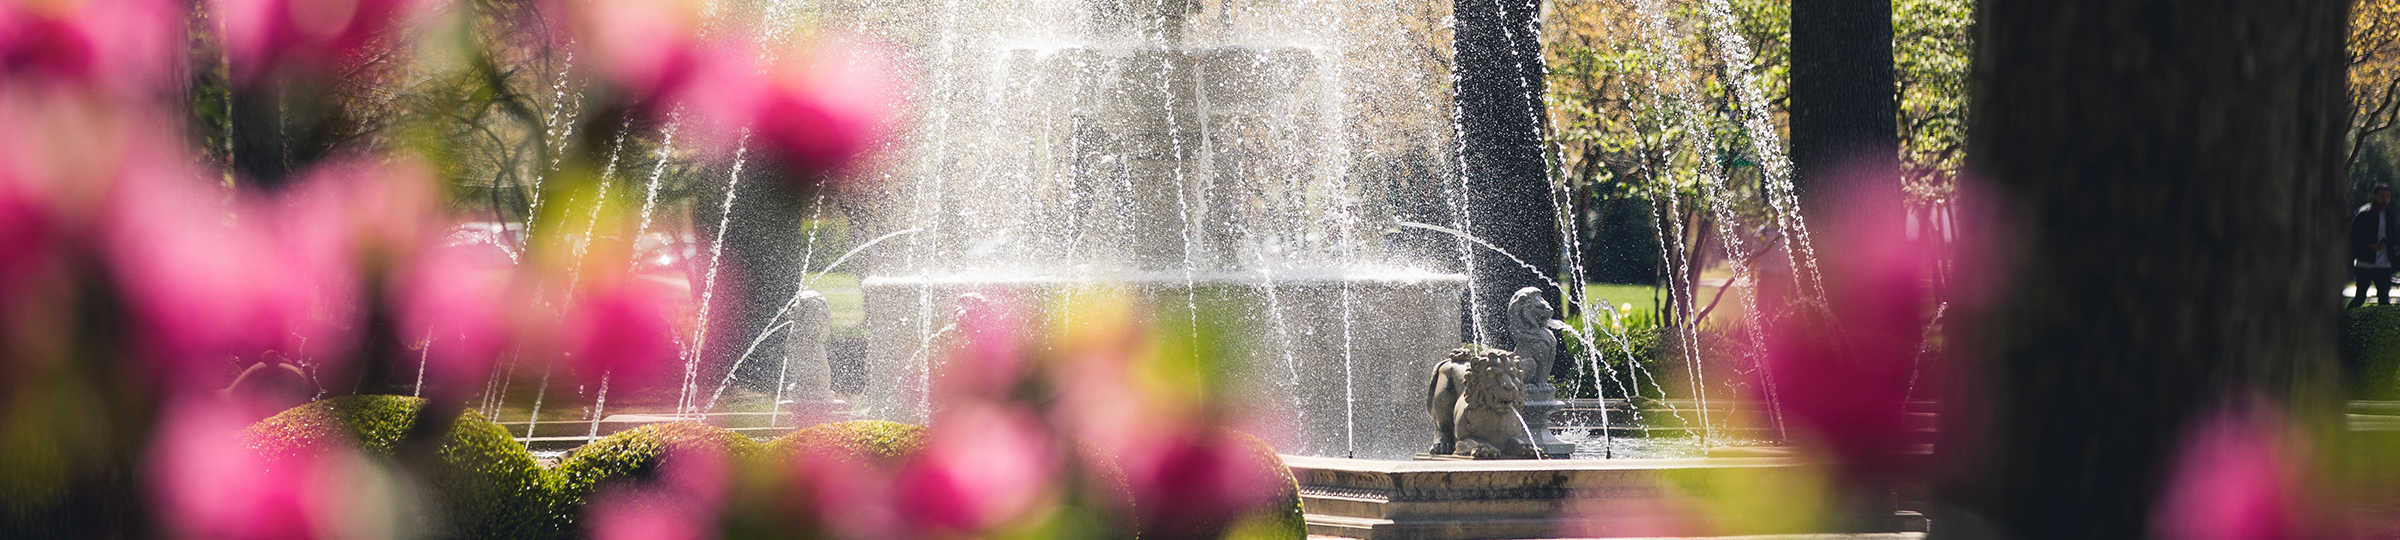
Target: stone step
{"x":2385,"y":408}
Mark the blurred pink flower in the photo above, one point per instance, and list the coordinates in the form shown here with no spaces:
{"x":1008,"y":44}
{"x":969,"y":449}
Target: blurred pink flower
{"x":982,"y":467}
{"x":628,"y":514}
{"x":1189,"y":481}
{"x":653,"y":51}
{"x":265,"y":37}
{"x":122,"y":46}
{"x":814,"y":111}
{"x":994,"y":358}
{"x":620,"y":327}
{"x":820,"y":114}
{"x":460,"y":303}
{"x":374,"y":211}
{"x":203,"y":282}
{"x":1844,"y":389}
{"x":1657,"y":511}
{"x":845,"y":497}
{"x":209,"y":484}
{"x":2234,"y":479}
{"x":682,"y":503}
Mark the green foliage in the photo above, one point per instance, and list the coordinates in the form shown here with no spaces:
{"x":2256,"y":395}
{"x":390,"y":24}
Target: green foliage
{"x":1931,"y":42}
{"x":856,"y":440}
{"x":637,"y":454}
{"x":1624,"y":341}
{"x":486,"y":483}
{"x":2370,"y":351}
{"x":1284,"y":517}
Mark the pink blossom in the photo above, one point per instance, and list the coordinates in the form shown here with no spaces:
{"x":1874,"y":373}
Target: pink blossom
{"x":683,"y":502}
{"x":459,"y":304}
{"x":2234,"y":479}
{"x":620,"y":327}
{"x":845,"y":498}
{"x":982,"y":468}
{"x":264,"y":37}
{"x":209,"y":484}
{"x":995,"y":357}
{"x":122,"y":46}
{"x":202,"y":285}
{"x":1844,"y":389}
{"x":628,"y":514}
{"x":822,"y":113}
{"x":653,"y":50}
{"x":1190,"y":482}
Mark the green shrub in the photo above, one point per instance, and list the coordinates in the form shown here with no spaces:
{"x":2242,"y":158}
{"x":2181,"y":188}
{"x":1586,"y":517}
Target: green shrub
{"x":1639,"y":349}
{"x":2370,"y":351}
{"x":875,"y":441}
{"x":487,"y":484}
{"x":1284,"y":518}
{"x":636,"y":455}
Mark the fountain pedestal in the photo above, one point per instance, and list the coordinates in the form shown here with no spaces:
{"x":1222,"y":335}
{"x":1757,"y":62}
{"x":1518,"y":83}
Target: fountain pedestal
{"x":1540,"y":400}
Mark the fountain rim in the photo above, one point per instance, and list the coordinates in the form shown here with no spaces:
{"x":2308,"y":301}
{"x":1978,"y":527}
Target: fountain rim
{"x":1177,"y":279}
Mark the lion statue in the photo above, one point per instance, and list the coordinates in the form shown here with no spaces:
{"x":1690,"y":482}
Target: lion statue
{"x":1473,"y":397}
{"x":1530,"y":325}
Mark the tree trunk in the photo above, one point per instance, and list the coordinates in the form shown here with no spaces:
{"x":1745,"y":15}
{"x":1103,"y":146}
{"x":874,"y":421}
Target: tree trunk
{"x":1845,"y":142}
{"x":758,"y":273}
{"x":2163,"y":220}
{"x":1498,"y":76}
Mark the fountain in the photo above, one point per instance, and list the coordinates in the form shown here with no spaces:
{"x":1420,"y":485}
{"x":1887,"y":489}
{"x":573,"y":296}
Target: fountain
{"x":1176,"y":152}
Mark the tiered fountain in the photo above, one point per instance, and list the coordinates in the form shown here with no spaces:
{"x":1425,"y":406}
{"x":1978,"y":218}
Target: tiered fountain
{"x":1162,"y":153}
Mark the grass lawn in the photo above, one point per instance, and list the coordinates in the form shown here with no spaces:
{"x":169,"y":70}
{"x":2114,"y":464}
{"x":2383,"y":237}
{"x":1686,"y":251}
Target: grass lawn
{"x":843,"y":296}
{"x":1640,"y":296}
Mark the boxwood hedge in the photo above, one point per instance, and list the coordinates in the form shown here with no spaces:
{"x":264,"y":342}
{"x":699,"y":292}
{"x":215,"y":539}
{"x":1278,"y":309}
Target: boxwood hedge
{"x":485,"y":482}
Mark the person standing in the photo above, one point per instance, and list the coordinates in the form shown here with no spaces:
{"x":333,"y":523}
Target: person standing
{"x":2371,"y":236}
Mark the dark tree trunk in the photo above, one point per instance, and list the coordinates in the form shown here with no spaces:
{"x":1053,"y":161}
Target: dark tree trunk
{"x":1498,"y":77}
{"x":759,"y":272}
{"x":2165,"y":196}
{"x":261,"y":155}
{"x":1845,"y":146}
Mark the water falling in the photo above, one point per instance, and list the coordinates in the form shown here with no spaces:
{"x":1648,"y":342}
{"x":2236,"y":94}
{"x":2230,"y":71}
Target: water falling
{"x":708,"y":284}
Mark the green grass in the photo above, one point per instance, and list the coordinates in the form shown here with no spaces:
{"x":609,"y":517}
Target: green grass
{"x":1728,"y":310}
{"x":843,"y":297}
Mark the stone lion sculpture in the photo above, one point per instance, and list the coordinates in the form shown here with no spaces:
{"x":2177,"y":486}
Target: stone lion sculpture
{"x":1529,"y":325}
{"x":1474,"y":397}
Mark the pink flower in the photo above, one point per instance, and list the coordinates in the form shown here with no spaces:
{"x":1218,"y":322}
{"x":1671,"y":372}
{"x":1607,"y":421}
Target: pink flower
{"x":1844,"y":389}
{"x":203,"y":286}
{"x":652,"y":50}
{"x":626,"y":514}
{"x":2234,"y":480}
{"x":459,"y":303}
{"x":821,"y":114}
{"x":841,"y":497}
{"x":994,"y":359}
{"x":122,"y":46}
{"x":620,"y":327}
{"x":683,"y":503}
{"x":1194,"y":481}
{"x":264,"y":37}
{"x":209,"y":484}
{"x":982,"y":468}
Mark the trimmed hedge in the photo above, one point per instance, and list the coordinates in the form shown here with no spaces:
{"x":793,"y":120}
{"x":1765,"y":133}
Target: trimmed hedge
{"x":1289,"y":521}
{"x":2371,"y":351}
{"x":872,"y":441}
{"x":487,"y":483}
{"x":636,"y":455}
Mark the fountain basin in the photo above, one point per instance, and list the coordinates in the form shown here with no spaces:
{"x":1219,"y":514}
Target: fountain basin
{"x":1326,"y":384}
{"x":1360,"y":498}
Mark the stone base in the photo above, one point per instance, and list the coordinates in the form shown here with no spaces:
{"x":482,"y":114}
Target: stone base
{"x":1444,"y":499}
{"x":1540,"y":400}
